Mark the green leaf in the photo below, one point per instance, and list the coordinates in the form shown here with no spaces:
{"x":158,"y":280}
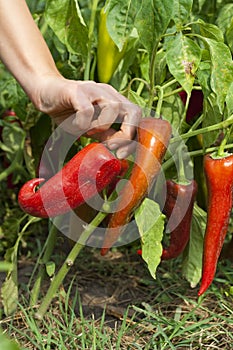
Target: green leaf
{"x":229,"y":36}
{"x":210,"y":31}
{"x":50,"y":268}
{"x":213,"y":116}
{"x":221,"y":70}
{"x":7,"y":343}
{"x":150,"y":222}
{"x":13,"y":139}
{"x":173,"y":109}
{"x":183,"y":58}
{"x":229,"y":100}
{"x":65,"y":19}
{"x":224,"y":18}
{"x":203,"y":76}
{"x":9,"y":289}
{"x":152,"y":20}
{"x":192,"y":257}
{"x":5,"y":266}
{"x":182,"y":10}
{"x":120,"y":20}
{"x":160,"y":67}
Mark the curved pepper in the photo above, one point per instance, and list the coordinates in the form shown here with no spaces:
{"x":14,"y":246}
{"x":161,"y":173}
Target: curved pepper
{"x":219,"y":178}
{"x":108,"y":54}
{"x":179,"y":207}
{"x":86,"y":174}
{"x":153,"y":138}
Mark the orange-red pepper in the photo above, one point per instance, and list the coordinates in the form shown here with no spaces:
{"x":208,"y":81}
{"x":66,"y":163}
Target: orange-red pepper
{"x":153,"y":138}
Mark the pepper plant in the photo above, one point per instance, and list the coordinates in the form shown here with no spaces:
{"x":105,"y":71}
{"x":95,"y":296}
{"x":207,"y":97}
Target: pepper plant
{"x":171,"y":57}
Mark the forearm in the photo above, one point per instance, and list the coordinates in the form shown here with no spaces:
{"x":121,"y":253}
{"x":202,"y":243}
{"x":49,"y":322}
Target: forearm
{"x":22,"y":47}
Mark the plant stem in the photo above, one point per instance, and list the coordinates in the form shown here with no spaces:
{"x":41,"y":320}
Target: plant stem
{"x":160,"y":100}
{"x":208,"y":150}
{"x":166,"y":165}
{"x":221,"y":148}
{"x":49,"y":247}
{"x":183,"y":119}
{"x":221,"y":125}
{"x":152,"y":76}
{"x":90,"y":35}
{"x":181,"y":171}
{"x":14,"y":167}
{"x":68,"y":263}
{"x":169,"y":83}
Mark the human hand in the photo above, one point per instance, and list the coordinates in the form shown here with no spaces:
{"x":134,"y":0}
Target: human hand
{"x":86,"y":107}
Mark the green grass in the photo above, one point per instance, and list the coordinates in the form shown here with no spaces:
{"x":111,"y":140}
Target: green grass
{"x":113,"y":303}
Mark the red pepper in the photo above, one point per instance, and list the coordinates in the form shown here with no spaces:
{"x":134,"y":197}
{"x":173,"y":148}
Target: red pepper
{"x":153,"y":138}
{"x":219,"y":179}
{"x":195,"y":103}
{"x":178,"y":208}
{"x":86,"y":174}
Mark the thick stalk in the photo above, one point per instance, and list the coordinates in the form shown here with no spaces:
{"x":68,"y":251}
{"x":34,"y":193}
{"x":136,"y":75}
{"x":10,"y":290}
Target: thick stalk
{"x":222,"y":125}
{"x":69,"y":262}
{"x":49,"y":248}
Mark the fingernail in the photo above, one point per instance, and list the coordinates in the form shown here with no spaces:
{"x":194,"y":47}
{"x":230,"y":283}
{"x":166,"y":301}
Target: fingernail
{"x":121,"y":154}
{"x":112,"y":146}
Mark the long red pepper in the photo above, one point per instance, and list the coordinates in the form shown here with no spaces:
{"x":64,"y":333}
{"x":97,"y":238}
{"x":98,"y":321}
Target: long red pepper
{"x":153,"y":138}
{"x":86,"y":174}
{"x":178,"y":209}
{"x":219,"y":178}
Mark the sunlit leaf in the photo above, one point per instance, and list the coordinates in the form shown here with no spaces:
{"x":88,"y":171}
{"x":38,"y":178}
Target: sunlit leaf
{"x":65,"y":19}
{"x":183,"y":58}
{"x":150,"y":222}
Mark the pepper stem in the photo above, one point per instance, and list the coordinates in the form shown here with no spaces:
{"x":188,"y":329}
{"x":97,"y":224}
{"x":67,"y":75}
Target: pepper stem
{"x":221,"y":152}
{"x":181,"y":169}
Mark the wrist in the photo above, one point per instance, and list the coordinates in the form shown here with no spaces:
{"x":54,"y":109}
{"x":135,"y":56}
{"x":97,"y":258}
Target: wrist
{"x":42,"y":92}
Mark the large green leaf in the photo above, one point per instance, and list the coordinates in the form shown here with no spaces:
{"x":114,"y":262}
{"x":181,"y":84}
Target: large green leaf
{"x":221,"y":70}
{"x":65,"y":19}
{"x":152,"y":21}
{"x":225,"y":16}
{"x":120,"y":19}
{"x":183,"y":58}
{"x":150,"y":222}
{"x":192,"y":261}
{"x":182,"y":10}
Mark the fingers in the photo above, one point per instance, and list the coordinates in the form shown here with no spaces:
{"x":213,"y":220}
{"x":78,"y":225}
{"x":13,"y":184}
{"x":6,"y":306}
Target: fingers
{"x":107,"y":116}
{"x":90,"y":108}
{"x":126,"y":150}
